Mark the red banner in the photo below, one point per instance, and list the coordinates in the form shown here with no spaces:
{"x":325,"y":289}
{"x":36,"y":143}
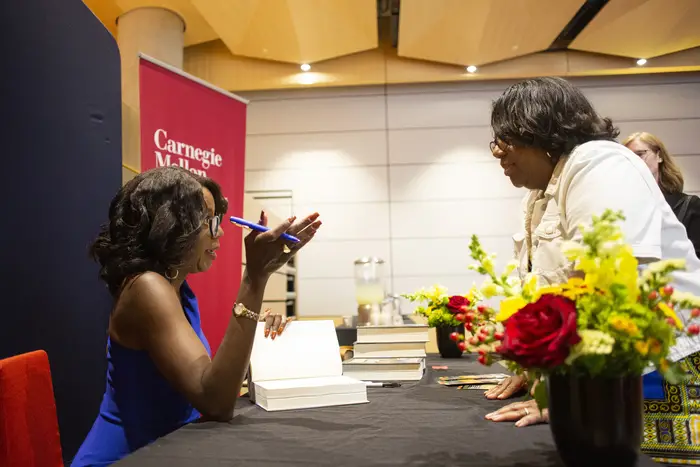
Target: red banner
{"x":188,"y":123}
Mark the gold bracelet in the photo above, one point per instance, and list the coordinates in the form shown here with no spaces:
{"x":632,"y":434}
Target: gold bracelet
{"x":240,"y":311}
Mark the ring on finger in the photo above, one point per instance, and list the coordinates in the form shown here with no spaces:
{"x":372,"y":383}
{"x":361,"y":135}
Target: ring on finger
{"x":527,"y":411}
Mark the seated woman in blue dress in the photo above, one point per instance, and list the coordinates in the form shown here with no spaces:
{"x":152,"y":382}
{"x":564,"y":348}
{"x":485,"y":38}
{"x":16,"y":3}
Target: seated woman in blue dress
{"x":550,"y":140}
{"x":164,"y":225}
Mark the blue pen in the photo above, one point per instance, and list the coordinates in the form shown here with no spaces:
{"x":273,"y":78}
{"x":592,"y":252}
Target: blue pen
{"x":260,"y":228}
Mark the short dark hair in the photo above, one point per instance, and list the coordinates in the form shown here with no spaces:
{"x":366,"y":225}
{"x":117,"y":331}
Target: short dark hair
{"x":549,"y":114}
{"x":154,"y":221}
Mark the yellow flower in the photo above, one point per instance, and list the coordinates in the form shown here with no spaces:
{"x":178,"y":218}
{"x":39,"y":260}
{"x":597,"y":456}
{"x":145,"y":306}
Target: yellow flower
{"x":587,"y":264}
{"x":642,"y":347}
{"x":669,"y":313}
{"x":510,"y":267}
{"x":663,"y":365}
{"x":574,"y":288}
{"x":548,"y":290}
{"x":654,"y":346}
{"x":509,"y":307}
{"x":489,"y":289}
{"x":473,"y":295}
{"x":487,"y":264}
{"x":530,"y":285}
{"x":628,"y":274}
{"x":624,"y":324}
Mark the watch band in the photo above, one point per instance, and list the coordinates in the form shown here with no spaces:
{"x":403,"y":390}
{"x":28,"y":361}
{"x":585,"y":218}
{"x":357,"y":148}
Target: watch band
{"x":240,"y":311}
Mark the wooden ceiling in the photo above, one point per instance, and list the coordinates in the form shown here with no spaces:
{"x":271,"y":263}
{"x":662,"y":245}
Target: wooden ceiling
{"x":642,"y":28}
{"x":477,"y":32}
{"x":439,"y":37}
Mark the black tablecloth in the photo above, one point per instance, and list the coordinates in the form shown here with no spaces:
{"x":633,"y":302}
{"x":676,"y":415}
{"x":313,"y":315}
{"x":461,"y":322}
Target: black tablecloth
{"x":418,"y":424}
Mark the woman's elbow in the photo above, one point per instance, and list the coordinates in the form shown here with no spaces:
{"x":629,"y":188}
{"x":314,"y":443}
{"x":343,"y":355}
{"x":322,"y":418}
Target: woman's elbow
{"x":222,"y":414}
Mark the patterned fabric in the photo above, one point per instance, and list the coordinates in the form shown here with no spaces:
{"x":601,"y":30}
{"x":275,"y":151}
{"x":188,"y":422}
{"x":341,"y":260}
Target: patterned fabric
{"x":672,"y":416}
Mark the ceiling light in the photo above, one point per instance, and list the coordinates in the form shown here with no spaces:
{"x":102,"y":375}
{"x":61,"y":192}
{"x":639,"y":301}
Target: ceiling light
{"x":471,"y":69}
{"x":305,"y":67}
{"x":641,"y":62}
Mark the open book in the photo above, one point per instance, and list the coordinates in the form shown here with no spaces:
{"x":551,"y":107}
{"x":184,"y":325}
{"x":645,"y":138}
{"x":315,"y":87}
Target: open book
{"x":301,"y":369}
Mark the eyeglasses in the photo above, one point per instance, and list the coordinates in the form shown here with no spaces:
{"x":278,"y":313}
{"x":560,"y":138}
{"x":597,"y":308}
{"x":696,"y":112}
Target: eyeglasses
{"x":502,"y":145}
{"x":214,"y":223}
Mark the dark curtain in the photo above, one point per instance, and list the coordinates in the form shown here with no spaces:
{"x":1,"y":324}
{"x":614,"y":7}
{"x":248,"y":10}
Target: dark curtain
{"x":60,"y":156}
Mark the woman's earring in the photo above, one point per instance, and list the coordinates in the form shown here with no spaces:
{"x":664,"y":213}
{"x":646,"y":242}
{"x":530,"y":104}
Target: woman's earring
{"x":173,"y":277}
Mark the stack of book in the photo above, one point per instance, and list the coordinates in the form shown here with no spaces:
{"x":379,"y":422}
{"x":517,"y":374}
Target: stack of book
{"x":388,"y":353}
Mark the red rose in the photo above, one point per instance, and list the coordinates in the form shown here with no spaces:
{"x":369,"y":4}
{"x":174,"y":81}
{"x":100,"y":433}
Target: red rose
{"x":458,"y":304}
{"x":541,"y":334}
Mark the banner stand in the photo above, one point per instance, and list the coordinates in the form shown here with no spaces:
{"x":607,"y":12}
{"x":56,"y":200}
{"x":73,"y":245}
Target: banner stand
{"x":189,"y":123}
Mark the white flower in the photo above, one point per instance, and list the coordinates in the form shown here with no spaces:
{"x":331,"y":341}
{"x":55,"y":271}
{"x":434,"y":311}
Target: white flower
{"x":685,"y":298}
{"x":593,"y":342}
{"x":667,"y":264}
{"x":572,"y":249}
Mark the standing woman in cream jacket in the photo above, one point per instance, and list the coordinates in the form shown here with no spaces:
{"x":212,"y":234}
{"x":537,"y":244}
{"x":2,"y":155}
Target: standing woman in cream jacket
{"x":549,"y":139}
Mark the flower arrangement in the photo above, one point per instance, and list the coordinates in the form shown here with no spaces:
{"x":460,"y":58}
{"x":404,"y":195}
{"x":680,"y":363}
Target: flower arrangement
{"x":442,"y":309}
{"x":608,"y":320}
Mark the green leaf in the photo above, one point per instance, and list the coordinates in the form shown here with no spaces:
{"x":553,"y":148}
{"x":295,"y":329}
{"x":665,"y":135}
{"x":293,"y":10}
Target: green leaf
{"x":541,"y":396}
{"x":675,"y":375}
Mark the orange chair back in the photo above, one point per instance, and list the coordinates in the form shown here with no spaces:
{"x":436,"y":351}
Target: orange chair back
{"x":28,"y":425}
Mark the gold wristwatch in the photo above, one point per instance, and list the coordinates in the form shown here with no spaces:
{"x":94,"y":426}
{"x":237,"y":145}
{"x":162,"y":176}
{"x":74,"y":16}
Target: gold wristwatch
{"x":240,"y":311}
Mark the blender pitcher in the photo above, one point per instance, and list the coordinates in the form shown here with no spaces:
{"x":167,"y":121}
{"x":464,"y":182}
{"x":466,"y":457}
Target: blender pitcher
{"x":369,"y":289}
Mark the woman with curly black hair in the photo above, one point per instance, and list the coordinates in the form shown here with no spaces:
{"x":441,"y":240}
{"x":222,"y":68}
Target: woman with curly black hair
{"x":164,"y":225}
{"x":550,"y":140}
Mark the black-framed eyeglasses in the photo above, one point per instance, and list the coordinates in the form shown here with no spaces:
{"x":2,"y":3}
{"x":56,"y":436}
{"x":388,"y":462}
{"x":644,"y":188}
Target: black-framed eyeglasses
{"x":214,"y":223}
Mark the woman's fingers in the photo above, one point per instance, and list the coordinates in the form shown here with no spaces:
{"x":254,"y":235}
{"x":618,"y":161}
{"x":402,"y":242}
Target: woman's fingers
{"x":299,"y":227}
{"x":276,"y":325}
{"x":283,"y":325}
{"x":515,"y":406}
{"x":523,"y":413}
{"x":269,"y":320}
{"x":507,"y":388}
{"x":533,"y":418}
{"x":273,"y":234}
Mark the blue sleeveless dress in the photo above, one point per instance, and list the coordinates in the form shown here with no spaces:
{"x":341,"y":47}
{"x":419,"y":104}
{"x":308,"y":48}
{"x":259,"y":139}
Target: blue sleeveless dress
{"x":138,"y":405}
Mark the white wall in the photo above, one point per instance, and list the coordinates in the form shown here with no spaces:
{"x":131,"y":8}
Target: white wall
{"x":405,"y":173}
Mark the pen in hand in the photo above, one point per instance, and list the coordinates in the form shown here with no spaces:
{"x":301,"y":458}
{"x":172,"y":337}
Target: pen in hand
{"x":260,"y":228}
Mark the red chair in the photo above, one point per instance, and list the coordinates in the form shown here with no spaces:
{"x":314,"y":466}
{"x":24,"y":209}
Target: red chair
{"x":28,"y":424}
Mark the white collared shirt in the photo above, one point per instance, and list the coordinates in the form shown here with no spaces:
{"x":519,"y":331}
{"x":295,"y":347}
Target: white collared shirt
{"x":596,"y":176}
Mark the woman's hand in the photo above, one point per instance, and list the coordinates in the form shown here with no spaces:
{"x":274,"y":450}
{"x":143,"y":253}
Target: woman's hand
{"x":275,"y":323}
{"x":266,"y":252}
{"x":507,"y":388}
{"x":522,"y":413}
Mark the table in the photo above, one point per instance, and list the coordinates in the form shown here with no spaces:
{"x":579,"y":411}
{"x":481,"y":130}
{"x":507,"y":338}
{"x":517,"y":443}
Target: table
{"x":419,"y":424}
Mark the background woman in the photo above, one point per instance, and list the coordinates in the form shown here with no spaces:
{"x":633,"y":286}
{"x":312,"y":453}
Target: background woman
{"x":164,"y":225}
{"x":670,"y":179}
{"x":550,"y":140}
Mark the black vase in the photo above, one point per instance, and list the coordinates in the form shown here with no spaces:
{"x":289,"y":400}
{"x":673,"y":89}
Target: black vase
{"x":596,"y":421}
{"x":446,"y":346}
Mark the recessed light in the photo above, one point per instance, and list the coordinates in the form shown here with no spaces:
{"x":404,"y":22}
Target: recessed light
{"x":305,"y":67}
{"x":642,"y":62}
{"x":471,"y":69}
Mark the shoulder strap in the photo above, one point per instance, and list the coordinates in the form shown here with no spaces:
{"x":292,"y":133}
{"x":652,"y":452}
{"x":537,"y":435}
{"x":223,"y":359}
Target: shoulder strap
{"x":683,"y":211}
